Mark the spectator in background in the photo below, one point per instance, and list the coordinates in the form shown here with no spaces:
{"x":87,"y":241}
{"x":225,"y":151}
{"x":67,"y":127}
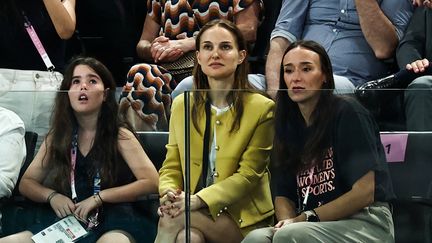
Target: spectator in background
{"x":12,"y":151}
{"x":22,"y":68}
{"x":414,"y":54}
{"x":109,"y":169}
{"x":357,"y":34}
{"x":168,"y":40}
{"x":231,"y":135}
{"x":328,"y":186}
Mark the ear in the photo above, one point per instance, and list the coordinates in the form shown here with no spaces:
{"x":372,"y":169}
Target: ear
{"x":242,"y":56}
{"x":106,"y":93}
{"x":197,"y":53}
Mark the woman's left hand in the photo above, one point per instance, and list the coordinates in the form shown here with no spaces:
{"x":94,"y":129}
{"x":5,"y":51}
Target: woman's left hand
{"x":178,"y":206}
{"x":282,"y":223}
{"x":83,"y":208}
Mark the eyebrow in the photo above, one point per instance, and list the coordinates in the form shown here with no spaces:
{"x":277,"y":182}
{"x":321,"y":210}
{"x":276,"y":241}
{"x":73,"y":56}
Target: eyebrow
{"x":89,"y":75}
{"x":223,"y":42}
{"x":301,"y":63}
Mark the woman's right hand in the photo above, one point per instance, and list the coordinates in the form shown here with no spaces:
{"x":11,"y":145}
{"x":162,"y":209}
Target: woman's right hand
{"x":62,"y":205}
{"x":168,"y":197}
{"x":418,"y":66}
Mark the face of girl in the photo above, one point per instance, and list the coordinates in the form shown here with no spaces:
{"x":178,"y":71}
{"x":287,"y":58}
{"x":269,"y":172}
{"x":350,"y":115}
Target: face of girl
{"x":303,"y":75}
{"x":87,"y":91}
{"x":218,"y":54}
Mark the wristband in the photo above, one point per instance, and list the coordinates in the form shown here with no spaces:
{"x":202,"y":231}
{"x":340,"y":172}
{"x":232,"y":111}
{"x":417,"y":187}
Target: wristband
{"x":50,"y":196}
{"x":100,"y":198}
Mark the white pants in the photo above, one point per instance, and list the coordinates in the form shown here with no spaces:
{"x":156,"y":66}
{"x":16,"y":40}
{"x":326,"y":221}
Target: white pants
{"x":30,"y":94}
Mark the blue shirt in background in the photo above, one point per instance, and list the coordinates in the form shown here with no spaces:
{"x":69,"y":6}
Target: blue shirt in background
{"x":335,"y":25}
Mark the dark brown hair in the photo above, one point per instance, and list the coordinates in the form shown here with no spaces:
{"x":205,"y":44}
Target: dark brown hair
{"x":63,"y":123}
{"x":291,"y":149}
{"x":241,"y":82}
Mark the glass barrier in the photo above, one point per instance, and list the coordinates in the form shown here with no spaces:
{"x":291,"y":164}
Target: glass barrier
{"x":224,"y":162}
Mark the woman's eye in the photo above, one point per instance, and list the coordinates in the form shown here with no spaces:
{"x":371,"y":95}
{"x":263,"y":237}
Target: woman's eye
{"x":288,"y":70}
{"x":226,"y":47}
{"x":75,"y":81}
{"x":307,"y":69}
{"x":207,"y":47}
{"x":93,"y":81}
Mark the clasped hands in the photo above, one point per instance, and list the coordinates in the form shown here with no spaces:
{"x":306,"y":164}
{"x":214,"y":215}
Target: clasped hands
{"x":165,"y":50}
{"x":64,"y":206}
{"x":172,"y":203}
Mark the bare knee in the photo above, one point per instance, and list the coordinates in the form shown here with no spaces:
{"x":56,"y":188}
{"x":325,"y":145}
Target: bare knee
{"x":196,"y":236}
{"x":21,"y":237}
{"x":116,"y":236}
{"x":168,"y":223}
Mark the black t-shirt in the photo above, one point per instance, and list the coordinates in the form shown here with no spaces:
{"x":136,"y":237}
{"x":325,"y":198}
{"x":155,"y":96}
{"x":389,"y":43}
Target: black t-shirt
{"x":85,"y":170}
{"x":355,"y":149}
{"x":16,"y":48}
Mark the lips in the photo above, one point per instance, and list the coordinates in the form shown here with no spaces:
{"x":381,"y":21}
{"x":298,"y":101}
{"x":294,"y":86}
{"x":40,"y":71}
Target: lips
{"x":82,"y":96}
{"x":297,"y":89}
{"x":216,"y":64}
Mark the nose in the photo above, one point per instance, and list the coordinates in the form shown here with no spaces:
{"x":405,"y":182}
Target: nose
{"x":295,"y":76}
{"x":215,"y":53}
{"x":83,"y":85}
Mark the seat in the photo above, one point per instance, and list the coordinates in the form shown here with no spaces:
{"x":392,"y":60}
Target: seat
{"x":30,"y":141}
{"x":154,"y":145}
{"x":15,"y":207}
{"x":412,"y":184}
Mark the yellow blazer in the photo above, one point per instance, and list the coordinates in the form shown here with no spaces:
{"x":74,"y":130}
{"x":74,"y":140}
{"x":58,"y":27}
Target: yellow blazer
{"x":241,"y":183}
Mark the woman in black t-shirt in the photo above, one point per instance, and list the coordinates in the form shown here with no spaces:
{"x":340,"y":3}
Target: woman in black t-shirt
{"x":330,"y":175}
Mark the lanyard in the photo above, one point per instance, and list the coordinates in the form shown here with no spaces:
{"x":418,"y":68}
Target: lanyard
{"x":38,"y":44}
{"x":93,"y":219}
{"x":305,"y":199}
{"x":96,"y":178}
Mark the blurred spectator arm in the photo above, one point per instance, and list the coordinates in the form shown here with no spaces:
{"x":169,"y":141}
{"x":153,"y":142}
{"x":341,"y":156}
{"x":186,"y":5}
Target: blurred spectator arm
{"x":383,"y":26}
{"x":12,"y":154}
{"x":62,"y":14}
{"x":247,"y":21}
{"x":412,"y":46}
{"x":149,"y":33}
{"x":278,"y":46}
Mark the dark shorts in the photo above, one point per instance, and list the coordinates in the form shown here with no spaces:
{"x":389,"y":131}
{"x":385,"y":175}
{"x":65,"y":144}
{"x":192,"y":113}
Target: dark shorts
{"x":122,"y":217}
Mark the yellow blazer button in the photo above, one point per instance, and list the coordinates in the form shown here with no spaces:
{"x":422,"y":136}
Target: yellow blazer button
{"x":225,"y":208}
{"x":216,"y":174}
{"x":218,"y":122}
{"x":218,"y":214}
{"x":217,"y":148}
{"x":221,"y":211}
{"x":240,"y":221}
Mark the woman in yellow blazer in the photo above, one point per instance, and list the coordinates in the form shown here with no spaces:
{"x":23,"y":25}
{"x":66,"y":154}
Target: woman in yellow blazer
{"x":231,"y":140}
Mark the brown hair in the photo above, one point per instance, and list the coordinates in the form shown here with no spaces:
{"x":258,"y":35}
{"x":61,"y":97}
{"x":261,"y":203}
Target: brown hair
{"x":241,"y":82}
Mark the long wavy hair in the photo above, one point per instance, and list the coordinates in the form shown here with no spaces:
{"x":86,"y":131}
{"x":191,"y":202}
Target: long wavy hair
{"x":292,"y":149}
{"x":63,"y":123}
{"x":241,"y":83}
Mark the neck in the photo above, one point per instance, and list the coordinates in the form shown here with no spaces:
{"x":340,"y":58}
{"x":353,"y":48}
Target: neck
{"x":87,"y":123}
{"x":306,"y":110}
{"x":219,"y":90}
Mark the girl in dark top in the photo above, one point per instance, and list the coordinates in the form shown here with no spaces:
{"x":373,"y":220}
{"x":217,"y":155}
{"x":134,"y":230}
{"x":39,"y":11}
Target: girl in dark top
{"x":85,"y":124}
{"x":331,"y":178}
